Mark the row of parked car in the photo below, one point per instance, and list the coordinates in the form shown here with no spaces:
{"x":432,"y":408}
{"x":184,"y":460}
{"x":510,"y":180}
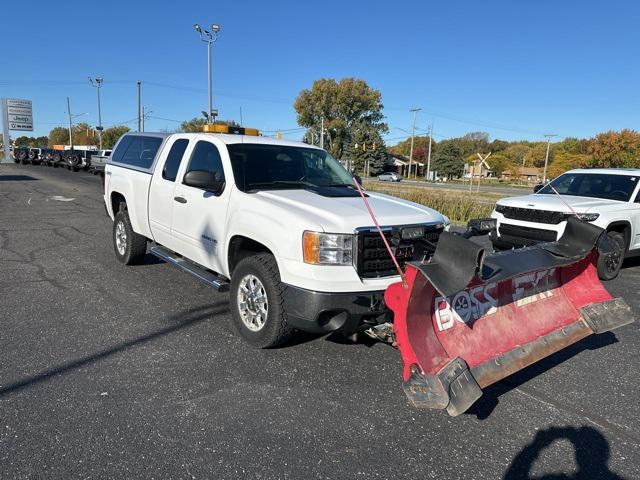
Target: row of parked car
{"x":75,"y":160}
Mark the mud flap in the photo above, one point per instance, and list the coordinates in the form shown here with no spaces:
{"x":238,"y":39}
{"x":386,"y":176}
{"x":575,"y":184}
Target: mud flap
{"x":467,"y":320}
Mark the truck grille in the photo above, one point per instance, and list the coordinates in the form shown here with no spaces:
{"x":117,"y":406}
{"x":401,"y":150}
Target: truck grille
{"x":373,"y":260}
{"x":531,"y":215}
{"x":526,"y":235}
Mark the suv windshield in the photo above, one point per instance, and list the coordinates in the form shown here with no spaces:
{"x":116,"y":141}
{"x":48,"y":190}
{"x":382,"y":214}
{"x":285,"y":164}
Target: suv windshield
{"x":595,"y":185}
{"x":256,"y":166}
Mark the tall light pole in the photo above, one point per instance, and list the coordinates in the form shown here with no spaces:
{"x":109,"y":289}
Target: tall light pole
{"x":549,"y":136}
{"x":209,"y":37}
{"x":429,"y":154}
{"x":97,"y":82}
{"x":139,"y":83}
{"x":413,"y":134}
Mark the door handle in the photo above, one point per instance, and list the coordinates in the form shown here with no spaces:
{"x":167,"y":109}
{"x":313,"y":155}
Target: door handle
{"x":180,"y":199}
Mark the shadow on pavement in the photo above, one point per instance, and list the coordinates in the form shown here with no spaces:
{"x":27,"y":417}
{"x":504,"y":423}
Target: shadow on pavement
{"x":490,"y":395}
{"x":15,"y":178}
{"x":184,"y":320}
{"x":591,"y":455}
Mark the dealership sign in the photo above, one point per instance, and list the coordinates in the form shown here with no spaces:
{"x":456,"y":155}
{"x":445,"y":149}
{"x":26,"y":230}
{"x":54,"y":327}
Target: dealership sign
{"x":19,"y":114}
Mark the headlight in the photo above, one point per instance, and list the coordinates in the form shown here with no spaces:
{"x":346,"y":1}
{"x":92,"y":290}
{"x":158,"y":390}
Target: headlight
{"x":588,"y":217}
{"x":412,"y":233}
{"x":499,"y":208}
{"x":327,"y":248}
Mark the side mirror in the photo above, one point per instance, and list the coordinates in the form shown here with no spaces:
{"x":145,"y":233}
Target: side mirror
{"x":538,"y":187}
{"x":204,"y":180}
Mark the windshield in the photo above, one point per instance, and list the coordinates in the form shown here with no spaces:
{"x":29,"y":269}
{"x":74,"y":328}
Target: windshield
{"x":257,"y":166}
{"x":595,"y":185}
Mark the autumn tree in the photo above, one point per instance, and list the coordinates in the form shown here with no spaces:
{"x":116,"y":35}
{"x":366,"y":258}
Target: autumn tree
{"x":616,"y":149}
{"x":536,"y":155}
{"x":566,"y":161}
{"x":112,"y":134}
{"x":499,"y":163}
{"x":58,"y":136}
{"x":342,"y":105}
{"x":196,"y":124}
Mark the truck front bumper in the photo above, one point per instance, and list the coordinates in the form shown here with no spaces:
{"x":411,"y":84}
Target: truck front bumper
{"x":324,"y":312}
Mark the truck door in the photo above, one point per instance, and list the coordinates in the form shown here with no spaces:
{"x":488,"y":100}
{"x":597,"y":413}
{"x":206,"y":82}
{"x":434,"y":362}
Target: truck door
{"x":199,"y":216}
{"x":161,"y":191}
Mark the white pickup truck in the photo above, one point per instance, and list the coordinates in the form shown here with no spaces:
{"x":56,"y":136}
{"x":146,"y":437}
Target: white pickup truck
{"x":277,"y":223}
{"x":609,"y":198}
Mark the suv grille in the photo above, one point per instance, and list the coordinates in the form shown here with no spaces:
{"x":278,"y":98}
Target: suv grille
{"x":373,"y":260}
{"x":527,"y":235}
{"x":530,"y":215}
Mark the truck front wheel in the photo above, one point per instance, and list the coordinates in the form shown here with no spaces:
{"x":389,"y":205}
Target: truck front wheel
{"x":130,"y":247}
{"x":256,"y":299}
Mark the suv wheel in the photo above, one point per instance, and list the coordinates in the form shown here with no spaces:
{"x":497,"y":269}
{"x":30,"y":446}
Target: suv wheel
{"x":256,"y":299}
{"x":609,"y":265}
{"x":130,"y":247}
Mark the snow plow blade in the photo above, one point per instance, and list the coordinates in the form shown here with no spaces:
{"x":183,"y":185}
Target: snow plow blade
{"x":466,"y":320}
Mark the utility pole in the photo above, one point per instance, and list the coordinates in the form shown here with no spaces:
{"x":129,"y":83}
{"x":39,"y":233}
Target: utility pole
{"x":69,"y":112}
{"x":97,"y":82}
{"x":413,"y":134}
{"x":139,"y":108}
{"x":322,"y":132}
{"x":429,"y":154}
{"x":549,"y":136}
{"x":143,"y":119}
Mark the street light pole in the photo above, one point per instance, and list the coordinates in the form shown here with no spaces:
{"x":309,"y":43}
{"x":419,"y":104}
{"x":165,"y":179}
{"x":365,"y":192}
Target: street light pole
{"x":413,"y":134}
{"x":139,"y":107}
{"x":549,"y":136}
{"x":97,"y":82}
{"x":209,"y":37}
{"x":69,"y":112}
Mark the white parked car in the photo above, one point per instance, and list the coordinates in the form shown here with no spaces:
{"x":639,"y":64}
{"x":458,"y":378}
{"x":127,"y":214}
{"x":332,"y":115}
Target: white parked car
{"x":280,"y":224}
{"x":608,"y":198}
{"x":389,"y":177}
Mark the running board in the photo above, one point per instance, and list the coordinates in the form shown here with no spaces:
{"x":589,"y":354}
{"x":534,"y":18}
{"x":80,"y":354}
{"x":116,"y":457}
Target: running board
{"x":205,"y":276}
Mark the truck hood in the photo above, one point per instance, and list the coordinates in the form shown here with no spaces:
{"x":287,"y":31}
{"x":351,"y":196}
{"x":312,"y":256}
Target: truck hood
{"x":345,"y":214}
{"x":557,"y":203}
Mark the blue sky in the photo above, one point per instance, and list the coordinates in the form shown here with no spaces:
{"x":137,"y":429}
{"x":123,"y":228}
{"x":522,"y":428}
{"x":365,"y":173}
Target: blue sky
{"x":515,"y":69}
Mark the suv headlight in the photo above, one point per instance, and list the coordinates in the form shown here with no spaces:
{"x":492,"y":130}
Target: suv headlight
{"x":499,"y":208}
{"x":588,"y":217}
{"x":327,"y":248}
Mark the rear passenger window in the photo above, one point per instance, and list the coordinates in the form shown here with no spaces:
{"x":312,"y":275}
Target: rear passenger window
{"x":206,"y":157}
{"x":171,"y":166}
{"x":137,"y":150}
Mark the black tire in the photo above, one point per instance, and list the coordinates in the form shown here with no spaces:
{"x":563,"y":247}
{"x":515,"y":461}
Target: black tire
{"x":135,"y":246}
{"x":275,"y":331}
{"x":609,"y":265}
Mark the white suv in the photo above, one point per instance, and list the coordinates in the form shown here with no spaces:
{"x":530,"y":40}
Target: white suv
{"x":608,"y":198}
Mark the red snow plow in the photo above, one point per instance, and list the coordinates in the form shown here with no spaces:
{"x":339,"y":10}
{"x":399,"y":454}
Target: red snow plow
{"x":466,"y":320}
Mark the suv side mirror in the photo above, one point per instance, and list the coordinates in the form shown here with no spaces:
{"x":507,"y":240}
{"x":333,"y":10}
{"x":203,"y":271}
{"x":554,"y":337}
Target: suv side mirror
{"x":204,"y":180}
{"x":538,"y":187}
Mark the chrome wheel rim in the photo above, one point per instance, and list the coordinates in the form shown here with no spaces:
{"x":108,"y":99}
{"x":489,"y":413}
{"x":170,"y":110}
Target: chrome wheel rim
{"x":252,"y":303}
{"x":121,"y":238}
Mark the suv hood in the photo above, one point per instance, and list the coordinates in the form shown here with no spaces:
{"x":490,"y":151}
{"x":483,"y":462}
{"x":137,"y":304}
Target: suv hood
{"x":556,"y":204}
{"x":345,"y":214}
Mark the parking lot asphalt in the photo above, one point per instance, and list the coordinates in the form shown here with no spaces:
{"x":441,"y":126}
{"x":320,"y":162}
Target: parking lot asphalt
{"x":108,"y":371}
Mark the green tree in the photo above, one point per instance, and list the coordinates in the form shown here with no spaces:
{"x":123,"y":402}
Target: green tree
{"x":536,"y":155}
{"x":112,"y":134}
{"x":342,"y":105}
{"x":83,"y":134}
{"x":566,"y":161}
{"x":616,"y":149}
{"x":448,"y":160}
{"x":196,"y":124}
{"x":517,"y":153}
{"x":41,"y":141}
{"x":58,"y":136}
{"x":23,"y":141}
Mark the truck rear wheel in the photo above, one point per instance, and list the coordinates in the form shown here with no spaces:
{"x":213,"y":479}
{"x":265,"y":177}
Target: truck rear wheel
{"x":257,"y":306}
{"x":130,"y":247}
{"x":609,"y":265}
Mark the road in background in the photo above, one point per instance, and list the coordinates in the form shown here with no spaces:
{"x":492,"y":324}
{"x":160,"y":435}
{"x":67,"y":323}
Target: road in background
{"x":108,"y":371}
